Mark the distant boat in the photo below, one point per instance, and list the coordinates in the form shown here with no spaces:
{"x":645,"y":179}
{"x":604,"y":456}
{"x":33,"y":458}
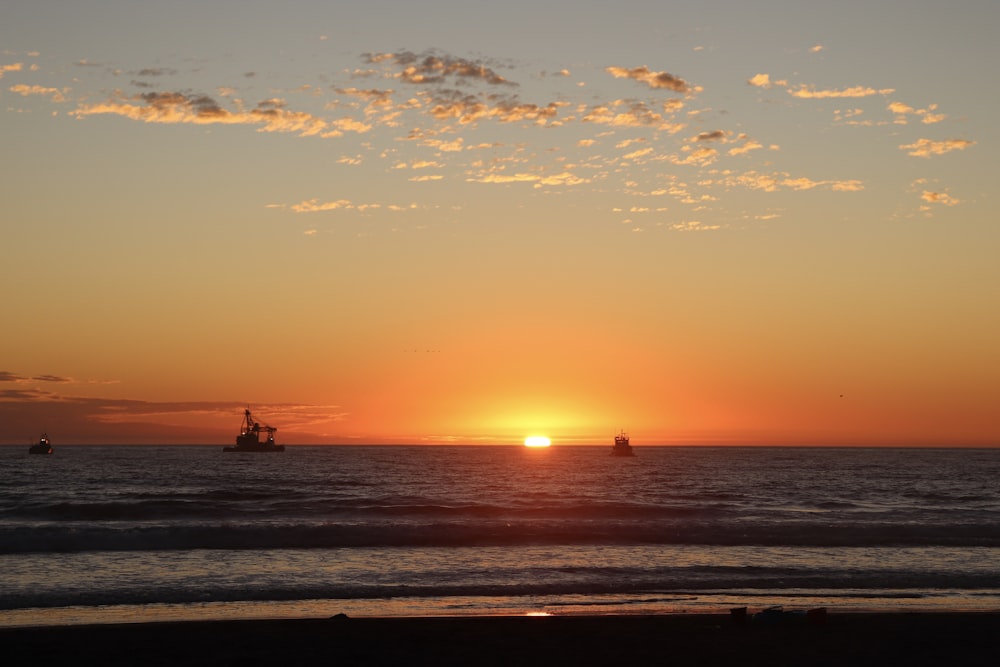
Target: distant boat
{"x":43,"y":446}
{"x":622,"y":448}
{"x":249,"y":438}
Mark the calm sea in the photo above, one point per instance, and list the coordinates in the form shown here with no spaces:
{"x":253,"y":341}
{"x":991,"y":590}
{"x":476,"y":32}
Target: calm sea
{"x":102,"y":534}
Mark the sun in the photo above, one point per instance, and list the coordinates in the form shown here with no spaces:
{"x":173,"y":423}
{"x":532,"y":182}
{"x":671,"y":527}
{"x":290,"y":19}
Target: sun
{"x":537,"y":441}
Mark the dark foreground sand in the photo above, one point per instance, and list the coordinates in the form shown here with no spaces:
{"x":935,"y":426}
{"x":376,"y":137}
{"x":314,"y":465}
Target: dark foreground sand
{"x":839,"y":639}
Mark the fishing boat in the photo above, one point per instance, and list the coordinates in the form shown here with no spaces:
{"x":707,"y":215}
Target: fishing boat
{"x":622,"y":447}
{"x":43,"y":446}
{"x":249,"y":438}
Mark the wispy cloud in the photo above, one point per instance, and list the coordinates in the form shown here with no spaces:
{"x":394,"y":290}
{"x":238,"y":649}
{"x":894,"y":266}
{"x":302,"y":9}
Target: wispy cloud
{"x":121,"y":421}
{"x":52,"y":378}
{"x":175,"y":107}
{"x":13,"y":67}
{"x":805,"y":91}
{"x":316,"y":206}
{"x":54,"y":94}
{"x":809,"y":92}
{"x":929,"y":147}
{"x":539,"y":180}
{"x":777,"y":181}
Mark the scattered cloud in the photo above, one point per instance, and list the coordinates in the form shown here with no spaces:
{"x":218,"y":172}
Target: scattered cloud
{"x":929,"y":147}
{"x":13,"y":67}
{"x":927,"y":116}
{"x":716,"y":135}
{"x":808,"y":92}
{"x":7,"y":376}
{"x":175,"y":107}
{"x":54,"y":94}
{"x":431,"y":68}
{"x":315,"y":205}
{"x":764,"y":81}
{"x":778,"y":181}
{"x":438,"y":102}
{"x":650,"y":78}
{"x":942,"y":198}
{"x":539,"y":180}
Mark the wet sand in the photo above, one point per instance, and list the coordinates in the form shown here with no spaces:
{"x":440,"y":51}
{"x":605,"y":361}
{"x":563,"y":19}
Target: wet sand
{"x":836,"y":639}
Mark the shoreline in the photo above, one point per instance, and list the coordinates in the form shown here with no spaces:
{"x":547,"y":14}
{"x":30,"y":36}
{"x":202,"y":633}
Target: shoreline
{"x":833,"y":638}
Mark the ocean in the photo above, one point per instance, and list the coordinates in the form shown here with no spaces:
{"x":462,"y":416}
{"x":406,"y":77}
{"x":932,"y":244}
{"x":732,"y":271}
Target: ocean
{"x":138,"y":533}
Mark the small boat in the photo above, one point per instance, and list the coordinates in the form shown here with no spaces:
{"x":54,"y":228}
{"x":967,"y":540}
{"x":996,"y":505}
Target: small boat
{"x":622,"y":448}
{"x":43,"y":446}
{"x":249,"y":438}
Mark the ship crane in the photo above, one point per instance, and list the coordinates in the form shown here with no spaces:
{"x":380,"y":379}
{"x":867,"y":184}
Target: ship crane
{"x":249,"y":438}
{"x":250,"y":426}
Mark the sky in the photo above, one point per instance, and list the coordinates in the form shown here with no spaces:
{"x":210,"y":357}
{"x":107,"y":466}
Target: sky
{"x":469,"y":222}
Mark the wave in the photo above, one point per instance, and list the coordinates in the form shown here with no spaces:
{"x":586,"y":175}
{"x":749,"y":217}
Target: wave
{"x":593,"y":581}
{"x":108,"y":536}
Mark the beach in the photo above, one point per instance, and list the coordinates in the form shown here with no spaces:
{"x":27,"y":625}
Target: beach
{"x":681,"y":639}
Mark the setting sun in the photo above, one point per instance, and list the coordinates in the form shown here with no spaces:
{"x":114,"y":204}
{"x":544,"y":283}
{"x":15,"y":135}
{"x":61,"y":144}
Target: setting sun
{"x":537,"y":441}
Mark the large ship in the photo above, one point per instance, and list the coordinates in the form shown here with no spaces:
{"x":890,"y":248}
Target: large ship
{"x":249,"y":438}
{"x":622,"y":447}
{"x":43,"y":446}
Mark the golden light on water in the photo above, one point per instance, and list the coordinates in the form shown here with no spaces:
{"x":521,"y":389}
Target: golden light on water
{"x":537,"y":441}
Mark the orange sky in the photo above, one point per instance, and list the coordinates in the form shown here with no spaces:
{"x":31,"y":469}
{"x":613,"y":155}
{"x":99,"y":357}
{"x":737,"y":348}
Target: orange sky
{"x":446,"y":226}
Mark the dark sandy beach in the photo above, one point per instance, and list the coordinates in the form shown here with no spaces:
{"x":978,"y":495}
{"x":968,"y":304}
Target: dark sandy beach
{"x":839,"y":639}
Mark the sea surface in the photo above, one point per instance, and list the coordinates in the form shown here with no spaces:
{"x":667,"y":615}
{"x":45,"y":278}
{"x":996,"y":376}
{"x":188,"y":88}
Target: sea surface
{"x":111,"y":534}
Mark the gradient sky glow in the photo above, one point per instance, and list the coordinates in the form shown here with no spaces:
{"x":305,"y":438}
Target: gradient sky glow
{"x":468,"y":222}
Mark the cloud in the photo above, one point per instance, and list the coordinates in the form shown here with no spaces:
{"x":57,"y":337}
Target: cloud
{"x":816,"y":49}
{"x":764,"y":81}
{"x":939,"y":198}
{"x":564,"y":178}
{"x":51,"y":378}
{"x":468,"y":109}
{"x":652,"y":79}
{"x":716,"y":135}
{"x":315,"y":206}
{"x":748,"y":145}
{"x":927,"y":116}
{"x":807,"y":92}
{"x":156,"y":71}
{"x":120,"y":421}
{"x":929,"y":147}
{"x":629,"y":113}
{"x":7,"y":376}
{"x":702,"y":156}
{"x":776,"y":182}
{"x":54,"y":94}
{"x":174,"y":107}
{"x":13,"y":67}
{"x":429,"y":68}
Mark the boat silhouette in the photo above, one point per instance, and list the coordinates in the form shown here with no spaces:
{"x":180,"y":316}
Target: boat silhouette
{"x":43,"y":446}
{"x":249,"y":438}
{"x":622,"y":446}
